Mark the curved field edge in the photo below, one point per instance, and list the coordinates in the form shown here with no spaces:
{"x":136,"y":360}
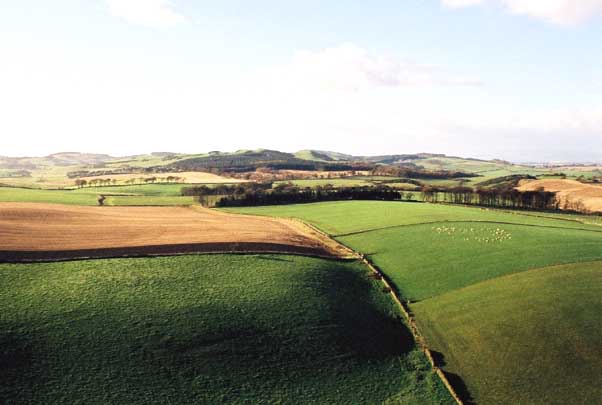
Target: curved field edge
{"x":221,"y":328}
{"x":164,"y":250}
{"x":431,"y":259}
{"x":532,"y":337}
{"x":345,"y":217}
{"x":31,"y":231}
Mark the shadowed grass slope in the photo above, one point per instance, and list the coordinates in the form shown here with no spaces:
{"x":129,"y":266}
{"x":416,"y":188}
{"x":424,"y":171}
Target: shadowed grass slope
{"x":205,"y":329}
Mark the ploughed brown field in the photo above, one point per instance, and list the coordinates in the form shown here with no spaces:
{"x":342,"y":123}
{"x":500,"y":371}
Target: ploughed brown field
{"x":31,"y":231}
{"x":572,"y":194}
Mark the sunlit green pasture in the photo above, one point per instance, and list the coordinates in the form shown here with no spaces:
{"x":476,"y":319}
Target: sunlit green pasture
{"x":343,"y":217}
{"x":513,"y":333}
{"x":528,"y":338}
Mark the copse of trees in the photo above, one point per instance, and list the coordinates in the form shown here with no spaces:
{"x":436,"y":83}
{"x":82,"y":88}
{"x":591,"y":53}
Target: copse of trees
{"x":418,"y":173}
{"x":225,"y":189}
{"x":296,"y":195}
{"x":80,"y":183}
{"x":253,"y":194}
{"x":507,"y":197}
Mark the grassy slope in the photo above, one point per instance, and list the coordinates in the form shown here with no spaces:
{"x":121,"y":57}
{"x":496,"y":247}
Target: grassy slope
{"x":8,"y":194}
{"x":205,"y":329}
{"x":342,"y":217}
{"x":442,"y":260}
{"x":90,"y":196}
{"x":164,"y":190}
{"x":534,"y":337}
{"x":425,"y":262}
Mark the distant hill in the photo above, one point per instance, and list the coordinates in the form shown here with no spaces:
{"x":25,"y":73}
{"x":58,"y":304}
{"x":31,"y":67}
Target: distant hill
{"x":323,"y":156}
{"x":76,"y":158}
{"x":56,"y":159}
{"x":249,"y":160}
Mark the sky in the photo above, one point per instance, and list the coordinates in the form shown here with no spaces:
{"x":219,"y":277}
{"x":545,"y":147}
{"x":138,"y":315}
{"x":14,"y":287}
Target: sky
{"x":519,"y":80}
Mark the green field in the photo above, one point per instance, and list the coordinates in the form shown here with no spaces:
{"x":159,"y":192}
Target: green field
{"x":205,"y":329}
{"x":448,"y":256}
{"x":163,"y":190}
{"x":9,"y":194}
{"x":343,"y":217}
{"x":459,"y":263}
{"x":148,"y":200}
{"x":155,"y":196}
{"x":534,"y":337}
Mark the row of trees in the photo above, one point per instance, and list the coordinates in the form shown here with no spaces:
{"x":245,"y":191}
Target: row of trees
{"x":296,"y":195}
{"x":246,"y":194}
{"x":418,"y":173}
{"x":226,"y":189}
{"x":493,"y":197}
{"x":81,"y":183}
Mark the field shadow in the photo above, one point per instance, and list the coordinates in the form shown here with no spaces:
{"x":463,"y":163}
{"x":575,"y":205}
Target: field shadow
{"x":274,"y":258}
{"x":460,"y":387}
{"x":454,"y":379}
{"x":365,"y":329}
{"x":16,"y":357}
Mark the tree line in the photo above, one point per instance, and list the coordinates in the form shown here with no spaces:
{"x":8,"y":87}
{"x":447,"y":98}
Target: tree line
{"x":81,"y":183}
{"x":493,"y":197}
{"x":419,"y":173}
{"x":253,"y":194}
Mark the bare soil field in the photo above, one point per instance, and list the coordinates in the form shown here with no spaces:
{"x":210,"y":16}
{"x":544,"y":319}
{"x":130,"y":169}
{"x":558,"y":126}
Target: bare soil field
{"x":185,"y":177}
{"x":51,"y":181}
{"x":31,"y":231}
{"x":571,"y":193}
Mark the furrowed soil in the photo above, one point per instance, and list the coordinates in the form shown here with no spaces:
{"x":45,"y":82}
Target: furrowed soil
{"x":30,"y":232}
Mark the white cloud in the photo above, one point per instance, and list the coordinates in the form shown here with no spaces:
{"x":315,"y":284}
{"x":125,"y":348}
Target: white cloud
{"x":461,"y":3}
{"x":86,"y":102}
{"x":151,"y":13}
{"x":564,"y":12}
{"x":351,"y":68}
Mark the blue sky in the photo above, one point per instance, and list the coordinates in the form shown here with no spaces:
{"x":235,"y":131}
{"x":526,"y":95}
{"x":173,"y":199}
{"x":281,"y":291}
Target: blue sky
{"x":514,"y":79}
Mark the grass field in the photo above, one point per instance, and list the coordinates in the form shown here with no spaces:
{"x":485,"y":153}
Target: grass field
{"x":162,"y":195}
{"x":525,"y":339}
{"x":205,"y":329}
{"x":151,"y":190}
{"x":10,"y":194}
{"x":534,"y":337}
{"x":445,"y":256}
{"x":343,"y":217}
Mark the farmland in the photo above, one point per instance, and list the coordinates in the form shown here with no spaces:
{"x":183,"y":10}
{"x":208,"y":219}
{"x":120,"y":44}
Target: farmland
{"x":459,"y":268}
{"x":46,"y":231}
{"x":533,"y":336}
{"x":571,"y":193}
{"x":205,"y":329}
{"x":460,"y":264}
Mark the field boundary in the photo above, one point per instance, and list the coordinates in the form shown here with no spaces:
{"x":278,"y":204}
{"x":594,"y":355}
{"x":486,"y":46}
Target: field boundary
{"x":420,"y":340}
{"x":405,"y":310}
{"x":465,"y":222}
{"x":29,"y":256}
{"x":352,"y":253}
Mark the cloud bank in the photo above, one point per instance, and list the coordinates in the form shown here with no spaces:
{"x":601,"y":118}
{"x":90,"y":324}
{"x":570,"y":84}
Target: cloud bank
{"x":351,"y":68}
{"x":563,"y":12}
{"x":150,"y":13}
